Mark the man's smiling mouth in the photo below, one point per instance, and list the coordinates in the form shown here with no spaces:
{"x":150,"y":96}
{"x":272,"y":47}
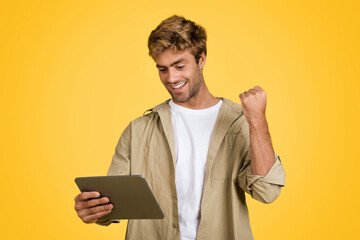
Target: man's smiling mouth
{"x":178,"y":86}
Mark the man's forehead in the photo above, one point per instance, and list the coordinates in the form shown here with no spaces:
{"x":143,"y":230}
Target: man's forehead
{"x":170,"y":57}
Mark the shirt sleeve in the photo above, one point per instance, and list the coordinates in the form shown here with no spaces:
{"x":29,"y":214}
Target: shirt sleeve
{"x":120,"y":164}
{"x":262,"y":188}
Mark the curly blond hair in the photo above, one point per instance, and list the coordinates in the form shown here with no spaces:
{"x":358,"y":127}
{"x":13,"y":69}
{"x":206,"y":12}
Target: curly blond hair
{"x":178,"y":34}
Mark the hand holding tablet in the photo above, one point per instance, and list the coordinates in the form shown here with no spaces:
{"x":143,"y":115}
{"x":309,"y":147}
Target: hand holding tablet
{"x":90,"y":206}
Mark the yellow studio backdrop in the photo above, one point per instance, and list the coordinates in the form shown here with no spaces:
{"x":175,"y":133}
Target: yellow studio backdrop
{"x":74,"y":73}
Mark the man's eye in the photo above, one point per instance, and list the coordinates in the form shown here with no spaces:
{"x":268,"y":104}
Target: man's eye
{"x":162,"y":70}
{"x":180,"y":67}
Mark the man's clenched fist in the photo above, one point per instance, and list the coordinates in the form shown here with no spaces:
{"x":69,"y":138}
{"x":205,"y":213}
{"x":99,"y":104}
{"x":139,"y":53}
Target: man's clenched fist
{"x":253,"y":103}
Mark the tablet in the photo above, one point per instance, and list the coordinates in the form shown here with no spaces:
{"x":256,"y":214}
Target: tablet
{"x":130,"y":195}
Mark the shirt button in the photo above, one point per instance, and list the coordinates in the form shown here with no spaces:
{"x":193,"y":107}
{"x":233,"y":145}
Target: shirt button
{"x":175,"y":225}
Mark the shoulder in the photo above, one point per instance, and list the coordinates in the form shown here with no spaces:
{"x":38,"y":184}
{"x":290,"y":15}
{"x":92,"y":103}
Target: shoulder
{"x":234,"y":110}
{"x":232,"y":106}
{"x":150,"y":115}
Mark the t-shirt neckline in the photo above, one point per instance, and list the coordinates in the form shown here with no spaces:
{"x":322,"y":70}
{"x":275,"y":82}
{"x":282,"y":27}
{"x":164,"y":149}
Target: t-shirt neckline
{"x":177,"y":107}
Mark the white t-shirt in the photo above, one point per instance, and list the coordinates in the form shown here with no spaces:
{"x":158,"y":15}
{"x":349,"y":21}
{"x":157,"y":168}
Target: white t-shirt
{"x":192,"y":132}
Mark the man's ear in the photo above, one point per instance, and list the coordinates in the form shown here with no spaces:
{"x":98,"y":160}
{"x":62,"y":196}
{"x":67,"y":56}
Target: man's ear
{"x":202,"y":60}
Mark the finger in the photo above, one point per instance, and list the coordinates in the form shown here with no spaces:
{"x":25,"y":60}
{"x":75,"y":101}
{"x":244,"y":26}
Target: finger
{"x":94,"y":217}
{"x":80,"y":205}
{"x":93,"y":202}
{"x":98,"y":201}
{"x":260,"y":90}
{"x":242,"y":96}
{"x":246,"y":94}
{"x":86,"y":195}
{"x":252,"y":91}
{"x":90,"y":211}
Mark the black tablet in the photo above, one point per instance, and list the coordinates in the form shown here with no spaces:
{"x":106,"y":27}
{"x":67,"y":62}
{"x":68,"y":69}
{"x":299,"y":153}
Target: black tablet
{"x":130,"y":194}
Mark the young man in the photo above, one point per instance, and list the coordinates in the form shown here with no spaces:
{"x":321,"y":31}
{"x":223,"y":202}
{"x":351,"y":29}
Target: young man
{"x":194,"y":150}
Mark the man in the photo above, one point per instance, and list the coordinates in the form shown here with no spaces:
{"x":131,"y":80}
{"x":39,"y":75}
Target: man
{"x":194,"y":150}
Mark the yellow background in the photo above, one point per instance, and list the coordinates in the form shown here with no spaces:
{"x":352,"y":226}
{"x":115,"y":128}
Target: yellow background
{"x":74,"y":73}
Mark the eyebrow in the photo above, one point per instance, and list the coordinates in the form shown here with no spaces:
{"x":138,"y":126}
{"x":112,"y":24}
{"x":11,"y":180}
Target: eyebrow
{"x":172,"y":64}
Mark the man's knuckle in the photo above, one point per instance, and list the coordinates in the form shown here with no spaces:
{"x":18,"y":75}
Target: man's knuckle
{"x":81,"y":197}
{"x":79,"y":206}
{"x":81,"y":214}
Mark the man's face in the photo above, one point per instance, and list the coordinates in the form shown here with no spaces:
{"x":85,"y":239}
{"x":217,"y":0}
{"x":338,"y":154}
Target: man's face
{"x":180,"y":74}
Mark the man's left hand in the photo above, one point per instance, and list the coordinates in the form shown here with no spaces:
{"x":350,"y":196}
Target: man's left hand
{"x":253,"y":104}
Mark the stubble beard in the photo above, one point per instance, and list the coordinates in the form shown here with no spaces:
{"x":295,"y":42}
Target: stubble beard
{"x":193,"y":91}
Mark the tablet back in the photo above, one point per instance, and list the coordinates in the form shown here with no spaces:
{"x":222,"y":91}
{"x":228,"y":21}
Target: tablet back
{"x":130,"y":195}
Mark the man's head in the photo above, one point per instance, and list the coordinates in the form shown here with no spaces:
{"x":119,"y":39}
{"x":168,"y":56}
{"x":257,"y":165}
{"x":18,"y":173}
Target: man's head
{"x":178,"y":34}
{"x":178,"y":47}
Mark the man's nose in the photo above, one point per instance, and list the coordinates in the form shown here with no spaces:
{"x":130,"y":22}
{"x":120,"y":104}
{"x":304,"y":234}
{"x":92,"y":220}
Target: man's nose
{"x":173,"y":76}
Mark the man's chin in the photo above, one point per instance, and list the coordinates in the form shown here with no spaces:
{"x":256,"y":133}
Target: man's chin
{"x":179,"y":99}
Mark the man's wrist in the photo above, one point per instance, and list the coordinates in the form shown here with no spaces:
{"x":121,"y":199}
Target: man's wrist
{"x":258,"y":126}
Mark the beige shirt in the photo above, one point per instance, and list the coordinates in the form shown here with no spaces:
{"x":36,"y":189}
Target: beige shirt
{"x":147,"y":148}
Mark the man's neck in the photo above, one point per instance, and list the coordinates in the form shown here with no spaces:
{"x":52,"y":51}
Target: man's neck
{"x":204,"y":99}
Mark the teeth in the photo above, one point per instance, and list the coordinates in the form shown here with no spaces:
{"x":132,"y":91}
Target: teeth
{"x":178,"y":86}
